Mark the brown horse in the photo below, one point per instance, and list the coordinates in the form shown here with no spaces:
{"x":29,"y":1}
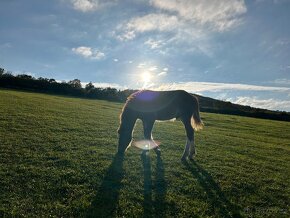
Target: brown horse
{"x":150,"y":106}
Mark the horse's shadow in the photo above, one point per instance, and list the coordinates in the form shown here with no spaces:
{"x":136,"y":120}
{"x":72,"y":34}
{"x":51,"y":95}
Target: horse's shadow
{"x":154,"y":207}
{"x":106,"y":200}
{"x":105,"y":203}
{"x":107,"y":197}
{"x":219,"y":204}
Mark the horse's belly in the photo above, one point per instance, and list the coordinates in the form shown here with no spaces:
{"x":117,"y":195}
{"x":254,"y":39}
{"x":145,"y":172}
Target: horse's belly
{"x":165,"y":116}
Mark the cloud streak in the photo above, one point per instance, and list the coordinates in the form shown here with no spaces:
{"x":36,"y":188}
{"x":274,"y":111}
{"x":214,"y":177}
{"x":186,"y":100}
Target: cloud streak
{"x":216,"y":87}
{"x":219,"y":15}
{"x":85,"y":5}
{"x":90,"y":5}
{"x":181,"y":23}
{"x":170,"y":31}
{"x":147,"y":23}
{"x":271,"y":103}
{"x":88,"y":52}
{"x":274,"y":103}
{"x":283,"y":81}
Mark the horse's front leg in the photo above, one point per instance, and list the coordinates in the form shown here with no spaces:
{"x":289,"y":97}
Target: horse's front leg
{"x":148,"y":126}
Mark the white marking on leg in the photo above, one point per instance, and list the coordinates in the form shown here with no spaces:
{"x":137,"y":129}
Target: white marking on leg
{"x":153,"y":143}
{"x":162,"y":121}
{"x":155,"y":147}
{"x":129,"y":145}
{"x":186,"y":149}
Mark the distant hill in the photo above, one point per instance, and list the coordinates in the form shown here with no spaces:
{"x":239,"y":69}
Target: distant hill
{"x":74,"y":88}
{"x":224,"y":107}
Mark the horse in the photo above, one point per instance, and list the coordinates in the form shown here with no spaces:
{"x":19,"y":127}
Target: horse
{"x":149,"y":106}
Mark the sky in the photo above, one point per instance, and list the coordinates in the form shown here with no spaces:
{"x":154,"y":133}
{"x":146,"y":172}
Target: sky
{"x":232,"y":50}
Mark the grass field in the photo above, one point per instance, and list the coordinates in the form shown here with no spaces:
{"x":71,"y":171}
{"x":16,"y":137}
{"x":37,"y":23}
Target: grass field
{"x":57,"y":159}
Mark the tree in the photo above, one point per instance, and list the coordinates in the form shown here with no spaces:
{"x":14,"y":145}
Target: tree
{"x":76,"y":83}
{"x":24,"y":76}
{"x":89,"y":86}
{"x":2,"y":71}
{"x":52,"y":81}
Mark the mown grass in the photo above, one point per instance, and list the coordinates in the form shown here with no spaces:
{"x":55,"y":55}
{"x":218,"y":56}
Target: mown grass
{"x":57,"y":159}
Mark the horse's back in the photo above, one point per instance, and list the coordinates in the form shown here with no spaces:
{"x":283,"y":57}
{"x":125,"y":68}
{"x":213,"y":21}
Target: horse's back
{"x":161,"y":105}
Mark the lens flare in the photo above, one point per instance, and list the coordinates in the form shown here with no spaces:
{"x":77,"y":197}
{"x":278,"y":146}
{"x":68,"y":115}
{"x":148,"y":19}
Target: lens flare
{"x":146,"y":144}
{"x":146,"y":77}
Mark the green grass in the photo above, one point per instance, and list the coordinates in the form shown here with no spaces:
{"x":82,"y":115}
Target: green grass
{"x":57,"y":159}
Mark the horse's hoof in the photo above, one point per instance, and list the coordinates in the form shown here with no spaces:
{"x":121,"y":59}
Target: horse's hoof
{"x":191,"y":158}
{"x":183,"y":159}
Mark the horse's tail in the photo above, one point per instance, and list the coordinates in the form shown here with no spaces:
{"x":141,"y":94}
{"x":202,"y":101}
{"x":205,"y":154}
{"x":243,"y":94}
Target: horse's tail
{"x":196,"y":121}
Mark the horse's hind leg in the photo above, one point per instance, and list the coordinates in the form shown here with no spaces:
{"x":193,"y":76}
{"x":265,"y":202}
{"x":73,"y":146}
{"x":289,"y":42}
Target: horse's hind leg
{"x":148,"y":126}
{"x":189,"y":149}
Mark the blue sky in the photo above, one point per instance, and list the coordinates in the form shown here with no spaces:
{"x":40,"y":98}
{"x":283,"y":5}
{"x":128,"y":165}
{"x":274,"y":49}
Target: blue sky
{"x":228,"y":49}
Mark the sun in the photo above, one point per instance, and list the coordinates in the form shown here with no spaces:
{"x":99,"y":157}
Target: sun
{"x":146,"y":77}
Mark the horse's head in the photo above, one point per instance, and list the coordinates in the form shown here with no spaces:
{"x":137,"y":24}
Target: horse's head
{"x":125,"y":137}
{"x":128,"y":119}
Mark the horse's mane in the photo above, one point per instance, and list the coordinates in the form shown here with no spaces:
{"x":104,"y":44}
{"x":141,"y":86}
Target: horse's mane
{"x":130,"y":98}
{"x":133,"y":95}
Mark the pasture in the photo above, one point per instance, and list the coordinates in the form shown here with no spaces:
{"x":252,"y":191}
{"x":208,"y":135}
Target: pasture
{"x":57,"y":159}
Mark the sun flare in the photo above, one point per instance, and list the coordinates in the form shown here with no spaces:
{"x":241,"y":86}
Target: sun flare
{"x":146,"y":77}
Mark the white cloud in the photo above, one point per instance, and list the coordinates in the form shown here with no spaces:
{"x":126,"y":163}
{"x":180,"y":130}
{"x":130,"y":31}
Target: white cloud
{"x":90,"y":5}
{"x":153,"y":44}
{"x":141,"y":65}
{"x":163,"y":73}
{"x":216,"y":87}
{"x":116,"y":60}
{"x":220,"y":15}
{"x":283,"y":81}
{"x":149,"y":22}
{"x":219,"y":91}
{"x":88,"y":52}
{"x":85,"y":5}
{"x":272,"y":104}
{"x":177,"y":23}
{"x":153,"y":68}
{"x":180,"y":32}
{"x":125,"y":35}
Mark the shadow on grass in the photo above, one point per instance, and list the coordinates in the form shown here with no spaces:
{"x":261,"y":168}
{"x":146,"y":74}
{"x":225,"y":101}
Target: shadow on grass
{"x":219,"y":204}
{"x":107,"y":197}
{"x":153,"y":207}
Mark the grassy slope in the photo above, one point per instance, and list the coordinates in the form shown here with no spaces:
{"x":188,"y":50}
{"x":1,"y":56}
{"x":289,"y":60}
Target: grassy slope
{"x":57,"y":157}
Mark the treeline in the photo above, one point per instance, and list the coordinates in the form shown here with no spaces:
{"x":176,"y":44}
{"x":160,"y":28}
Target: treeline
{"x":72,"y":87}
{"x":224,"y":107}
